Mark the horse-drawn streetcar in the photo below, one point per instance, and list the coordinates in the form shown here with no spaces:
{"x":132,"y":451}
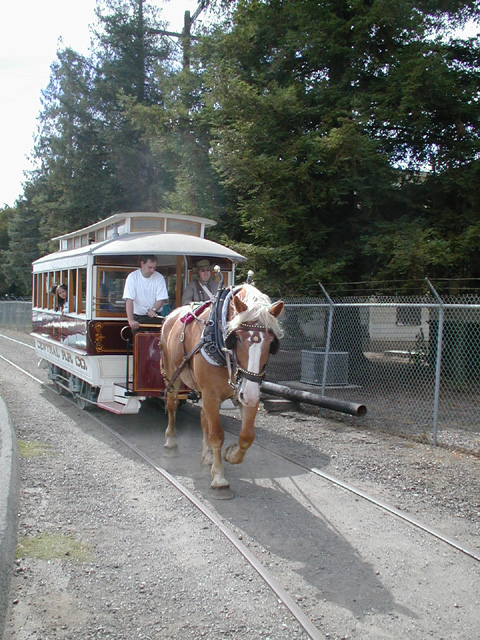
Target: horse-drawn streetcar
{"x":86,"y":342}
{"x":218,"y":348}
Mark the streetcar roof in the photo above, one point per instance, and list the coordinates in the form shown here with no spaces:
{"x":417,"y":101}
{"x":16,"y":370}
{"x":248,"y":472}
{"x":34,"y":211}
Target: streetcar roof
{"x":167,"y":244}
{"x":172,"y":244}
{"x":64,"y":259}
{"x":118,"y":218}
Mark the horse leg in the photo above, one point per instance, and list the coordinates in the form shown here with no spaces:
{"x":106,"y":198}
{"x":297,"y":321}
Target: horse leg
{"x":207,"y":454}
{"x":172,"y":405}
{"x":215,"y":440}
{"x":236,"y":452}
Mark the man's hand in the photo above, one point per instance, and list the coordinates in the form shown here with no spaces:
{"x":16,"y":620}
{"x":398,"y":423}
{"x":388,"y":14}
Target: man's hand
{"x":155,"y":312}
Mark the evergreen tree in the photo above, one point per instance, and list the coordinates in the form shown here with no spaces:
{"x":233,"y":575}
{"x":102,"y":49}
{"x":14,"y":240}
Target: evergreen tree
{"x":314,"y":108}
{"x":74,"y":183}
{"x":129,"y":54}
{"x":91,"y":160}
{"x":5,"y":215}
{"x":22,"y":250}
{"x":332,"y":141}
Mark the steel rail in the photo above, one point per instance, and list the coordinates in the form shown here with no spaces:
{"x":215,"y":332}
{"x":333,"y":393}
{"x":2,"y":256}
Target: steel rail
{"x":17,"y":341}
{"x":304,"y":621}
{"x":312,"y":631}
{"x":336,"y":481}
{"x":379,"y":503}
{"x":400,"y":514}
{"x":23,"y":371}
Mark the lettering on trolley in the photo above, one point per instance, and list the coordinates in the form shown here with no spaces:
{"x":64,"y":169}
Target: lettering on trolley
{"x":77,"y":361}
{"x":48,"y":348}
{"x":80,"y":362}
{"x":67,"y":356}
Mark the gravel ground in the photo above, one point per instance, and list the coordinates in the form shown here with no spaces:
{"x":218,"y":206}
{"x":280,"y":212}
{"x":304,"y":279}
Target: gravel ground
{"x":441,"y":485}
{"x":108,"y":549}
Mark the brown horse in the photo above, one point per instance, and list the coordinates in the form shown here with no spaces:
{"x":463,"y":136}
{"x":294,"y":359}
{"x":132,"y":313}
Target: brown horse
{"x":252,"y":331}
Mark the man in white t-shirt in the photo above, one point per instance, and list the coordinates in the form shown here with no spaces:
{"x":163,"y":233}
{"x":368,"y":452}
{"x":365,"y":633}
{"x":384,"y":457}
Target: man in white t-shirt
{"x":145,"y":293}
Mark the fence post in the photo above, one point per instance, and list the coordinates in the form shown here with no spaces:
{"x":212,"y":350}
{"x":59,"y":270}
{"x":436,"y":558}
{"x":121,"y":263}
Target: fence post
{"x":328,"y":337}
{"x":438,"y":364}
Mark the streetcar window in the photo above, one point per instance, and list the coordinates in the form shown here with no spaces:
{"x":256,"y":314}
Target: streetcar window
{"x":183,"y":226}
{"x":81,"y":290}
{"x":72,"y":288}
{"x":146,"y":224}
{"x":38,"y":290}
{"x":108,"y":299}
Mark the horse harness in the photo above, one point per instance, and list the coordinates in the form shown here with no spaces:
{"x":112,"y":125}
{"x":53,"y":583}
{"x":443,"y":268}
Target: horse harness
{"x":217,"y":347}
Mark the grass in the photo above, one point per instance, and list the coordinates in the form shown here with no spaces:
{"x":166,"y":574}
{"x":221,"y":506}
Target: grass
{"x":48,"y":546}
{"x":33,"y":448}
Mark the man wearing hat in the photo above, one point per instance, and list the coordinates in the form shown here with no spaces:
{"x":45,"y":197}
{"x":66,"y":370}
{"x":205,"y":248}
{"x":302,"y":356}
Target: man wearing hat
{"x":202,"y":287}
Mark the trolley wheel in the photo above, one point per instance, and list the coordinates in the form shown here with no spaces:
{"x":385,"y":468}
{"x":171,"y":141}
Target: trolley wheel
{"x":87,"y":397}
{"x":59,"y":389}
{"x":83,"y":404}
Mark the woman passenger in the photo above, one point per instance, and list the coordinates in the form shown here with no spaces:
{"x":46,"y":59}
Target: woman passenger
{"x":60,"y":293}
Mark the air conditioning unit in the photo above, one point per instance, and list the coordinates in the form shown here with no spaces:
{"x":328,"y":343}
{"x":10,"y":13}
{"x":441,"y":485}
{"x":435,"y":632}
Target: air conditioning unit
{"x":313,"y":363}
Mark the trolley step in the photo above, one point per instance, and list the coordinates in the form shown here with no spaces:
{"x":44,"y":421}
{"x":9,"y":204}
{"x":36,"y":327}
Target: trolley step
{"x":120,"y":408}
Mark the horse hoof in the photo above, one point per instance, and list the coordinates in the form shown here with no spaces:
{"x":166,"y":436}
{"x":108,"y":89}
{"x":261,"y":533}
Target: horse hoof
{"x":233,"y":454}
{"x":221,"y":493}
{"x":228,"y":452}
{"x":171,"y":452}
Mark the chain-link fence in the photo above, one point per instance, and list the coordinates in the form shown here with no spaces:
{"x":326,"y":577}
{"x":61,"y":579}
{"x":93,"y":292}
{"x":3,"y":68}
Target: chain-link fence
{"x":413,"y":361}
{"x":16,"y":314}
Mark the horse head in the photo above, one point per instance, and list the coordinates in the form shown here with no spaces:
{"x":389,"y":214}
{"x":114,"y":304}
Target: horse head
{"x":253,"y":333}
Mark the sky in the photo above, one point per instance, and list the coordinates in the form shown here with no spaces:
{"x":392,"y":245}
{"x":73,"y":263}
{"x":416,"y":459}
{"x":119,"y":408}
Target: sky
{"x":30,"y":33}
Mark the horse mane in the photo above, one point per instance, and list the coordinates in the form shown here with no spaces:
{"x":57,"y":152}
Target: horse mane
{"x":258,"y":311}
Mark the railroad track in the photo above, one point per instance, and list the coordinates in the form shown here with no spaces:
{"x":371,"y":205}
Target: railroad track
{"x":312,"y":475}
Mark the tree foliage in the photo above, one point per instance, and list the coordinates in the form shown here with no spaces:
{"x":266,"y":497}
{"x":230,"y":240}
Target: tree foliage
{"x":332,"y":141}
{"x":316,"y":107}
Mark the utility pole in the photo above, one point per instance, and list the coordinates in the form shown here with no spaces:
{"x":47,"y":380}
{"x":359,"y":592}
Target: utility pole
{"x":186,"y":39}
{"x":186,"y":35}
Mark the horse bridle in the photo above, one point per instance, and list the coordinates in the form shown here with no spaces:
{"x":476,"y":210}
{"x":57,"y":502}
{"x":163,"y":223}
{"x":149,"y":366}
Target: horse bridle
{"x":240,"y":372}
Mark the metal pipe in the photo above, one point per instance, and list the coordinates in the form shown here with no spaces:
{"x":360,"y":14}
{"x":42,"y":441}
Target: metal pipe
{"x":343,"y":406}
